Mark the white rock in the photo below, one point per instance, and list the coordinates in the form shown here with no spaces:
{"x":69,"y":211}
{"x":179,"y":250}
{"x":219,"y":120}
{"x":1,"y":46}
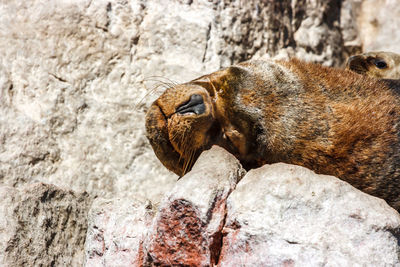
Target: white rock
{"x":378,"y":25}
{"x":287,"y":215}
{"x":187,"y":229}
{"x":116,"y":231}
{"x":42,"y":225}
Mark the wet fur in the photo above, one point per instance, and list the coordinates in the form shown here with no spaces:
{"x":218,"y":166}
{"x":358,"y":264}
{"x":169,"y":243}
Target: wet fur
{"x":332,"y":121}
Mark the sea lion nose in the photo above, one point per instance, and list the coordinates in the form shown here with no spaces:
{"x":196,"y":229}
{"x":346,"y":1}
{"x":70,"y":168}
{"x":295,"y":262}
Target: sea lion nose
{"x":194,"y":105}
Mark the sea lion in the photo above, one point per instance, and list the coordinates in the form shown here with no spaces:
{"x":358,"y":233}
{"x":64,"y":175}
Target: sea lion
{"x":332,"y":121}
{"x":380,"y":65}
{"x":383,"y":65}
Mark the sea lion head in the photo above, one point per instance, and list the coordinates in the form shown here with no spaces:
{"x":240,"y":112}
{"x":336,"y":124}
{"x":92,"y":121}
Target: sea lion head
{"x":189,"y":118}
{"x":183,"y":111}
{"x":382,"y":65}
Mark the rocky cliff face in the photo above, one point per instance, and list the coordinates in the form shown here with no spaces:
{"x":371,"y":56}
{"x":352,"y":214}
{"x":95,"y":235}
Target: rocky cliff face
{"x":76,"y":78}
{"x":42,"y":225}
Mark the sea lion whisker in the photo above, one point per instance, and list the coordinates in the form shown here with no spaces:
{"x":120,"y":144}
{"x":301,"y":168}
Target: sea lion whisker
{"x":189,"y":161}
{"x":167,"y":84}
{"x":181,"y":143}
{"x":183,"y":156}
{"x":148,"y":93}
{"x":188,"y":151}
{"x":174,"y":138}
{"x":150,"y":78}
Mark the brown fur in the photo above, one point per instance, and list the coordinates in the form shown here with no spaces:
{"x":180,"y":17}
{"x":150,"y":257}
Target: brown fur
{"x":332,"y":121}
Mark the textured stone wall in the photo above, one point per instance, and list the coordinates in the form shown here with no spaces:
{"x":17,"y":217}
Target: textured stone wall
{"x":378,"y":25}
{"x":42,"y":225}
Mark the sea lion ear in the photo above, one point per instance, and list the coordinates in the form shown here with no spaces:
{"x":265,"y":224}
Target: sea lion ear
{"x":220,"y":80}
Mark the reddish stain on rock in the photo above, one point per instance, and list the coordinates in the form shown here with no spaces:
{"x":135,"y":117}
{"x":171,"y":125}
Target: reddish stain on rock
{"x":179,"y":237}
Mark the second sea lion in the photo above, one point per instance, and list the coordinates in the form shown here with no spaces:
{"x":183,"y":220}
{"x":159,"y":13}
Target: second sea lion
{"x":332,"y":121}
{"x":382,"y":65}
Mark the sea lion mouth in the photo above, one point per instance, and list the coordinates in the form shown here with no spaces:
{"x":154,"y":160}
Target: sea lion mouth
{"x":157,"y":133}
{"x":194,"y":105}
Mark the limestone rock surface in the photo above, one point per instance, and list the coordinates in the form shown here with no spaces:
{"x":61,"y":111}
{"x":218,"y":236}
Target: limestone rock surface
{"x":42,"y":225}
{"x":261,"y":29}
{"x":378,"y":25}
{"x":187,"y":229}
{"x":116,"y":232}
{"x":286,"y":215}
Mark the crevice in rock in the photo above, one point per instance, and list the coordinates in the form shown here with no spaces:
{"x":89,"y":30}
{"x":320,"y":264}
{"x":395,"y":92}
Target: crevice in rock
{"x":58,"y":78}
{"x":36,"y":160}
{"x":216,"y":245}
{"x":134,"y":41}
{"x":47,"y":195}
{"x":218,"y":237}
{"x":50,"y":240}
{"x":207,"y":40}
{"x":396,"y":234}
{"x":292,"y":242}
{"x":109,"y":10}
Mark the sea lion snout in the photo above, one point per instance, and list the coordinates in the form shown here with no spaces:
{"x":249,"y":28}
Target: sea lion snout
{"x":366,"y":62}
{"x":180,"y":124}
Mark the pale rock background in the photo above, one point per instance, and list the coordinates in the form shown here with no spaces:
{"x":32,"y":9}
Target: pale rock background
{"x":379,"y":24}
{"x":77,"y":76}
{"x":42,"y":225}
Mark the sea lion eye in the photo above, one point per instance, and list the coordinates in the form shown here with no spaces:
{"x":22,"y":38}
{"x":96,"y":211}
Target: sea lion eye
{"x":194,"y":105}
{"x":380,"y":64}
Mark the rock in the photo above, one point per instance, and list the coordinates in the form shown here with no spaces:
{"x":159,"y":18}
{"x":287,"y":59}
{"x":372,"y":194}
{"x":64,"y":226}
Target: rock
{"x":376,"y":28}
{"x":275,"y":215}
{"x":317,"y":32}
{"x":187,"y":229}
{"x":42,"y":225}
{"x":252,"y":29}
{"x":116,"y":231}
{"x":349,"y":14}
{"x":287,"y":215}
